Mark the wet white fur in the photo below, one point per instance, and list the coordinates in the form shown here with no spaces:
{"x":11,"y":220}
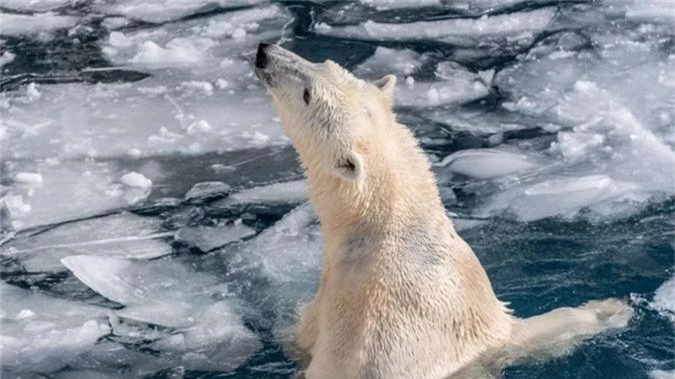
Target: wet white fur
{"x":401,"y":294}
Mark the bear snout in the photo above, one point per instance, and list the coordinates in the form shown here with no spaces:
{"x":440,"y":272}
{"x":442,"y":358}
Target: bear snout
{"x":261,"y":56}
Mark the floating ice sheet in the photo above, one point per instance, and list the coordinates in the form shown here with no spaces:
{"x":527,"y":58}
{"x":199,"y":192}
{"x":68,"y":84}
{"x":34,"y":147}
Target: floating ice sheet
{"x":200,"y":40}
{"x":83,"y":189}
{"x":121,"y":235}
{"x":486,"y":163}
{"x":645,"y":10}
{"x":460,"y":86}
{"x":559,"y":196}
{"x":396,"y":4}
{"x":34,"y":5}
{"x":294,"y":192}
{"x":19,"y":24}
{"x":207,"y":238}
{"x":289,"y":256}
{"x":174,"y":111}
{"x":207,"y":189}
{"x":209,"y":335}
{"x":42,"y":334}
{"x":158,"y":11}
{"x":462,"y":31}
{"x":390,"y":61}
{"x":661,"y":374}
{"x":612,"y":141}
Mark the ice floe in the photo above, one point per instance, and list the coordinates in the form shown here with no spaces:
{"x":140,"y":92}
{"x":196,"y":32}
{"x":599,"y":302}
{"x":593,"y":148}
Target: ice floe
{"x":396,"y":4}
{"x":34,"y":5}
{"x":158,"y":11}
{"x":288,"y":256}
{"x":294,"y":192}
{"x":19,"y":24}
{"x":458,"y":86}
{"x":43,"y":334}
{"x":136,"y":180}
{"x":198,"y":41}
{"x":661,"y":374}
{"x":66,"y":132}
{"x":386,"y":61}
{"x":486,"y":163}
{"x":207,"y":238}
{"x":559,"y":196}
{"x":459,"y":31}
{"x":120,"y":235}
{"x":209,"y":334}
{"x":84,"y":189}
{"x":207,"y":189}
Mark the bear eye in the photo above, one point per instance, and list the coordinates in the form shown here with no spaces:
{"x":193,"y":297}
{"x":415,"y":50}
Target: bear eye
{"x":305,"y":96}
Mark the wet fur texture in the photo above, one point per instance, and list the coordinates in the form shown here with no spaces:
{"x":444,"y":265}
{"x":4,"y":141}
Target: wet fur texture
{"x":401,"y":294}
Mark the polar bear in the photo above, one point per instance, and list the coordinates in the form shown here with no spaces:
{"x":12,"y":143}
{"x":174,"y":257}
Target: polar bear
{"x":401,"y":295}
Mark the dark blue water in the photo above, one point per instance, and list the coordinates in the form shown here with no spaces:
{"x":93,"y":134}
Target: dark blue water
{"x":536,"y":265}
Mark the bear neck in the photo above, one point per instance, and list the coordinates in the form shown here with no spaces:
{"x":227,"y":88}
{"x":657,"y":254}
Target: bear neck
{"x":393,"y":196}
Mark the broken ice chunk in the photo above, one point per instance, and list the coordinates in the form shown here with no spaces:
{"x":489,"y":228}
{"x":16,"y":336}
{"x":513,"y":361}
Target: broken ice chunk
{"x":124,"y":235}
{"x":662,"y":374}
{"x":133,"y":282}
{"x":558,"y":196}
{"x":208,"y":238}
{"x":19,"y":24}
{"x":33,"y":5}
{"x":165,"y":10}
{"x":207,"y":189}
{"x":136,"y":180}
{"x":218,"y":341}
{"x":512,"y":24}
{"x":395,"y":4}
{"x":28,"y":178}
{"x":288,"y":255}
{"x":432,"y":94}
{"x":486,"y":163}
{"x":294,"y":192}
{"x":209,"y":334}
{"x":390,"y":61}
{"x":42,"y":334}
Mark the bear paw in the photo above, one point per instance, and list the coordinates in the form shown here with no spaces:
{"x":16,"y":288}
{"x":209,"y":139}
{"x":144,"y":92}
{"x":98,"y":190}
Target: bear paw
{"x":611,"y":313}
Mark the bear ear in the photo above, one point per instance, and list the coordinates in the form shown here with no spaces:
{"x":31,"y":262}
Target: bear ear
{"x":386,"y":84}
{"x":350,"y":167}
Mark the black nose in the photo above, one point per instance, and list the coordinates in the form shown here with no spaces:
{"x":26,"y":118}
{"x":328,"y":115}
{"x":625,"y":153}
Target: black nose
{"x":261,"y":56}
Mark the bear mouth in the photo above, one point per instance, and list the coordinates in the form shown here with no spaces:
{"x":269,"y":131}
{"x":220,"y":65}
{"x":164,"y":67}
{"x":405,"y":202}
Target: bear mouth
{"x":262,"y":62}
{"x":265,"y":76}
{"x":272,"y":59}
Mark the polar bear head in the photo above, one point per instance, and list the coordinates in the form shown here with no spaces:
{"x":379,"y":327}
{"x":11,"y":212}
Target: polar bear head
{"x":358,"y":159}
{"x":329,"y":115}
